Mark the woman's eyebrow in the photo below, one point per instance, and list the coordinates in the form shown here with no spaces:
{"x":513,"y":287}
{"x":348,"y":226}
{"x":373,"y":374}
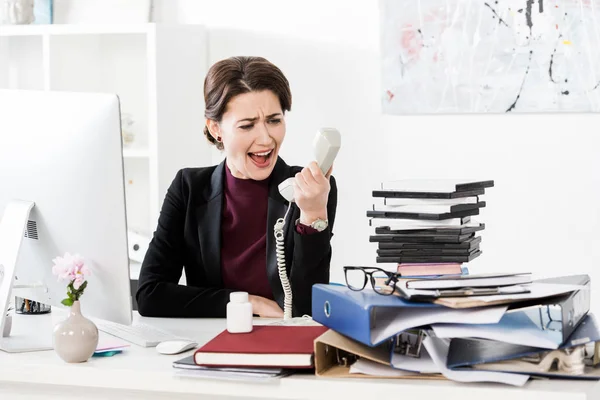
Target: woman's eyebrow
{"x":249,"y":119}
{"x":256,"y":118}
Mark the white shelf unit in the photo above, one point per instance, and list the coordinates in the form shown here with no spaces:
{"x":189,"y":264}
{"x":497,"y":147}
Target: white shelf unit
{"x":157,"y":71}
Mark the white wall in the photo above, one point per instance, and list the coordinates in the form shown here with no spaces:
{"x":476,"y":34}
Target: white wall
{"x":542,"y":216}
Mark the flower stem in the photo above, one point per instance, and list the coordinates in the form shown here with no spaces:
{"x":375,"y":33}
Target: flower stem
{"x":74,"y":294}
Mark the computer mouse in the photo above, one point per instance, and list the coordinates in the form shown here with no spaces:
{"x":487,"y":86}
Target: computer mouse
{"x":175,"y":346}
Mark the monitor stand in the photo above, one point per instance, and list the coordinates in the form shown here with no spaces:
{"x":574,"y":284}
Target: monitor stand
{"x":32,"y":341}
{"x":12,"y":231}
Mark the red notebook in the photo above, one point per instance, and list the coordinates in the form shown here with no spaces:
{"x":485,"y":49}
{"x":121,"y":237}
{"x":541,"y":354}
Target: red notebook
{"x":265,"y":346}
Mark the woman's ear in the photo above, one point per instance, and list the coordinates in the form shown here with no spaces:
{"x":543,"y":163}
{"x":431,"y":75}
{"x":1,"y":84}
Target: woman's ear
{"x":214,"y":129}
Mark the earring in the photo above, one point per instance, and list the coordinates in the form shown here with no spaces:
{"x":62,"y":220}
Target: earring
{"x":218,"y":138}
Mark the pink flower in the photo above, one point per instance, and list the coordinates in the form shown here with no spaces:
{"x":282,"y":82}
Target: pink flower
{"x":61,"y":267}
{"x":79,"y":267}
{"x":72,"y":268}
{"x":78,"y":281}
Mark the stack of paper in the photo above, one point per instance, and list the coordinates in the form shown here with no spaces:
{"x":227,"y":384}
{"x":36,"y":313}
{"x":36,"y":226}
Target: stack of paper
{"x":187,"y":367}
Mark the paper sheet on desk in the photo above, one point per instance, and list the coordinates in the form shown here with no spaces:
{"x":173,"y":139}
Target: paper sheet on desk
{"x":538,"y":290}
{"x":514,"y":328}
{"x":423,"y":364}
{"x":438,"y":349}
{"x":433,"y":360}
{"x":187,"y":368}
{"x":372,"y":368}
{"x":228,"y":376}
{"x":389,"y":322}
{"x":107,"y":342}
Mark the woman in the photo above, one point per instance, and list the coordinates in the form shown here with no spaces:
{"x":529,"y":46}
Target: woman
{"x":217,"y":222}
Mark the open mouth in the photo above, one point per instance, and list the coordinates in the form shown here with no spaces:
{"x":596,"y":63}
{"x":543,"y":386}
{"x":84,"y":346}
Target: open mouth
{"x":261,"y":159}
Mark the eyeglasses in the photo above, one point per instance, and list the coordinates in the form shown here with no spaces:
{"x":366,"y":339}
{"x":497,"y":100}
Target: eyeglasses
{"x":356,"y":279}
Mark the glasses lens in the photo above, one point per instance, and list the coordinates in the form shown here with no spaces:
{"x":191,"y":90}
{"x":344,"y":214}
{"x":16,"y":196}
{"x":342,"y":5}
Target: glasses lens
{"x":382,"y":284}
{"x":355,"y":279}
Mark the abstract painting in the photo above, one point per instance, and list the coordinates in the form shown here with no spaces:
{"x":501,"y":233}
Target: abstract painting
{"x":490,"y":56}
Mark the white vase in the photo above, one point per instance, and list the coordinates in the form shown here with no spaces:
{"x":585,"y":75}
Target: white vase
{"x":17,"y":12}
{"x":76,"y":338}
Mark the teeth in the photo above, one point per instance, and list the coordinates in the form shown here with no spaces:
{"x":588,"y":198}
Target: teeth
{"x":266,"y":153}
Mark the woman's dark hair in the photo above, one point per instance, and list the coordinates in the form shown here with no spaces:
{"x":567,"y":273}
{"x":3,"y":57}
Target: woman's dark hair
{"x":237,"y":75}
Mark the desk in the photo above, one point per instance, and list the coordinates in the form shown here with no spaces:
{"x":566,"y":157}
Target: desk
{"x":142,"y":373}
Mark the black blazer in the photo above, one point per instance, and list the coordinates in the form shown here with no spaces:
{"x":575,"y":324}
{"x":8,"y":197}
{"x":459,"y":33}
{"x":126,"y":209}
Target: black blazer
{"x":188,"y":236}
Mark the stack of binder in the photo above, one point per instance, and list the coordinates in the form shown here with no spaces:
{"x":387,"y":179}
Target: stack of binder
{"x":433,"y":223}
{"x":547,"y":332}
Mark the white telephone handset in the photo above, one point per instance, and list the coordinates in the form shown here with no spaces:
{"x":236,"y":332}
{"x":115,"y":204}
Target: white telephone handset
{"x":326,"y":146}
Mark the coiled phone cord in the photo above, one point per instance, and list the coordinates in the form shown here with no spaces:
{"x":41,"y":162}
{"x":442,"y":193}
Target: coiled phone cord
{"x":280,"y":251}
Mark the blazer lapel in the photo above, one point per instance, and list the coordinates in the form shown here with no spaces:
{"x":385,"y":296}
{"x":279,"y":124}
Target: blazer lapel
{"x":277,"y":206}
{"x":209,"y":227}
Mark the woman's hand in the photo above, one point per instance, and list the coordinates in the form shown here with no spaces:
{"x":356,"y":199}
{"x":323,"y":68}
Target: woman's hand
{"x":264,"y":307}
{"x":311,"y":191}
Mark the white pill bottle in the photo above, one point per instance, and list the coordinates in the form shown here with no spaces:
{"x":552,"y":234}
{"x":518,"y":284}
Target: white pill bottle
{"x":239,"y":313}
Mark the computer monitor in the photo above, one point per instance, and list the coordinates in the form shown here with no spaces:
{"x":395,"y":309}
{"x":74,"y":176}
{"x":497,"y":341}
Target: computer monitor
{"x":63,"y":152}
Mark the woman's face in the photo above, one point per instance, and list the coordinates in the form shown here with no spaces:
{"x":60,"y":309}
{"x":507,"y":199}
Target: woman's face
{"x":252,"y":130}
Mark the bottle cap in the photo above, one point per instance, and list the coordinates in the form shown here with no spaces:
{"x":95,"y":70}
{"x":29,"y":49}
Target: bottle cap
{"x":238,"y":297}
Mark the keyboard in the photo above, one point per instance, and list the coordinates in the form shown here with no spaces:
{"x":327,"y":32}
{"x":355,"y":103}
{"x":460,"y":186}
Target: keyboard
{"x":139,"y":334}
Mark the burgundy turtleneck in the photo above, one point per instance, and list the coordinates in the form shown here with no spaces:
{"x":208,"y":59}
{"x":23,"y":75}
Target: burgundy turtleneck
{"x":244,"y":235}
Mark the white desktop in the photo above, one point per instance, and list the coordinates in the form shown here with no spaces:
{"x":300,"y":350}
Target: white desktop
{"x":61,"y":168}
{"x":62,"y":190}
